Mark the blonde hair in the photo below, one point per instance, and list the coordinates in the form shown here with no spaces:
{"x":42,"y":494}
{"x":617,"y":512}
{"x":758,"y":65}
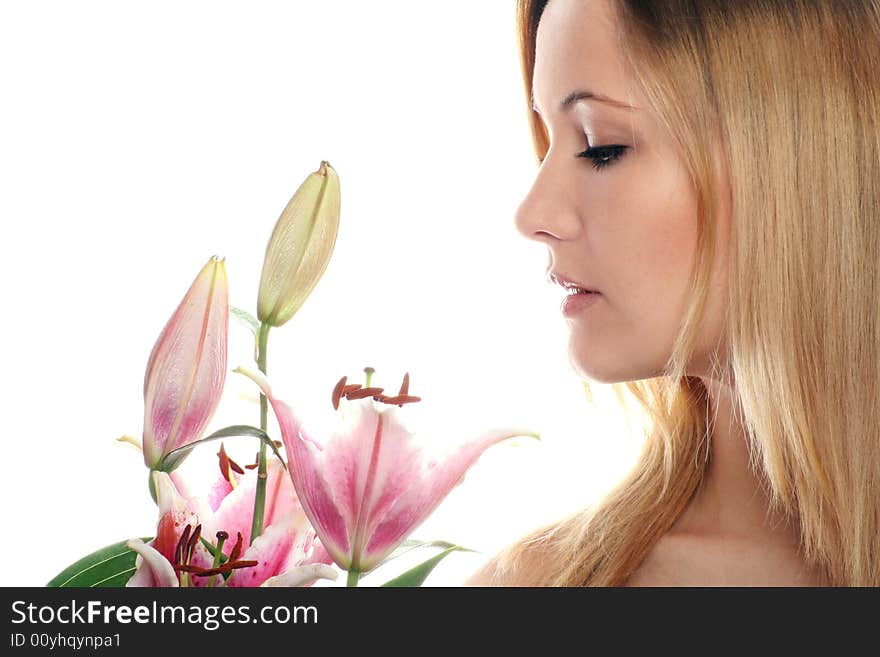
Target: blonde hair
{"x":792,"y":89}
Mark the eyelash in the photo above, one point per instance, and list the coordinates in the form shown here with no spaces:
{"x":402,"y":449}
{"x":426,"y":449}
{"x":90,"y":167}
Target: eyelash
{"x":603,"y":156}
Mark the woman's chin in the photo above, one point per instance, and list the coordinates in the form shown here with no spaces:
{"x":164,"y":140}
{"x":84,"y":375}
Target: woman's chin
{"x":610,"y":368}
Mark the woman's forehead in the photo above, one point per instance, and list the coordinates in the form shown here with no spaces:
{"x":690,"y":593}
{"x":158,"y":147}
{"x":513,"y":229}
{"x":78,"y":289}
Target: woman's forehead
{"x":578,"y":53}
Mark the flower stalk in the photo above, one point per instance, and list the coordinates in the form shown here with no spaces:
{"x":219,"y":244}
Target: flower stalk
{"x":296,"y":256}
{"x":260,"y":495}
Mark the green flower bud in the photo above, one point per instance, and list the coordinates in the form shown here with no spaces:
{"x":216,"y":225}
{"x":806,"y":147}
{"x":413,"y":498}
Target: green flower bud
{"x":300,"y":247}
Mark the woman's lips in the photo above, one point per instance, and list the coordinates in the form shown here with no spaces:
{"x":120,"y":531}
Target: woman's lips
{"x":568,"y":283}
{"x":573,"y":304}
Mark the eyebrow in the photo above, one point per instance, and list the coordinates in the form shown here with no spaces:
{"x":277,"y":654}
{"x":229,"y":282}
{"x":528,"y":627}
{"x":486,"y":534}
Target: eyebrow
{"x":579,"y":95}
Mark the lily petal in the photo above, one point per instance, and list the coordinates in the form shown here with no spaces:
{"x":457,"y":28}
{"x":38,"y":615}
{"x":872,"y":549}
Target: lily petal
{"x":187,"y":366}
{"x":236,"y":510}
{"x":417,"y":503}
{"x":368,"y":468}
{"x":275,"y":550}
{"x":306,"y":472}
{"x":152,"y":568}
{"x":319,"y":554}
{"x":303,"y":575}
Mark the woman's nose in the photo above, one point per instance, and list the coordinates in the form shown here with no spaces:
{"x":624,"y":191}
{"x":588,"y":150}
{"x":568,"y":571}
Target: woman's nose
{"x":548,"y":212}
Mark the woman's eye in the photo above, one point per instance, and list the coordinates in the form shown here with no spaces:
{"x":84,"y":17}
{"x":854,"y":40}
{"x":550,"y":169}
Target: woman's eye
{"x":602,"y":156}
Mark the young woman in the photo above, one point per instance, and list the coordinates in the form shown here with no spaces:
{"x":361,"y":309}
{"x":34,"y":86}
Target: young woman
{"x":710,"y":172}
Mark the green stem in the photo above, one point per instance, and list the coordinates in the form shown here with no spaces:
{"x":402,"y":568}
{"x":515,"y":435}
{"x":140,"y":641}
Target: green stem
{"x":260,"y":497}
{"x":353,"y":576}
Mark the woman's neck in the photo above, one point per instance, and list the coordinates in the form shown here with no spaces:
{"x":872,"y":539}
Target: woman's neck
{"x":731,"y":501}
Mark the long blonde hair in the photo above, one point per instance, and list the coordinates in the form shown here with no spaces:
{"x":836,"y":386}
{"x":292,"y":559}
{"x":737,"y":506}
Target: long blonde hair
{"x":793,"y":89}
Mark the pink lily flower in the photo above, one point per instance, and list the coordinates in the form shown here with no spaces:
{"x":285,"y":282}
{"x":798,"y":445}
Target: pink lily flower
{"x":187,"y":367}
{"x":366,"y":488}
{"x":286,"y":554}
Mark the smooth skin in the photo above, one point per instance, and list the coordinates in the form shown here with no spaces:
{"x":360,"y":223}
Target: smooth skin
{"x":628,"y":230}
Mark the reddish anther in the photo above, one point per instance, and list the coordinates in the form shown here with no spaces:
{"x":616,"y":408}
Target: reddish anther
{"x":220,"y":570}
{"x":251,"y":466}
{"x":349,"y":388}
{"x":400,"y":400}
{"x":236,"y":551}
{"x":227,"y":464}
{"x":337,"y":392}
{"x":181,"y":544}
{"x":364,"y":392}
{"x":404,"y":387}
{"x":224,"y":462}
{"x":193,"y":541}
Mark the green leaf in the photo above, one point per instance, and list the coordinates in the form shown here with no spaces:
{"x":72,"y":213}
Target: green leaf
{"x":175,"y":457}
{"x":109,"y":567}
{"x":411,"y":544}
{"x":245,"y":318}
{"x":416,"y":576}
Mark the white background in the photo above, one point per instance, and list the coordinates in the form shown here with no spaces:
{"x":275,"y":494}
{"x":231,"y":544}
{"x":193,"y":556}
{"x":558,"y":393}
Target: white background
{"x":139,"y":139}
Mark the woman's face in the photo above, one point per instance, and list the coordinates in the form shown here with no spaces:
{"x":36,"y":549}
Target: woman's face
{"x":623,"y":223}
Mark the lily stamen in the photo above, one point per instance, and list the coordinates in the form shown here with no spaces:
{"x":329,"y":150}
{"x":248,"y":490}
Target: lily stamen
{"x":227,"y":466}
{"x":338,"y":392}
{"x":233,"y":563}
{"x":227,"y":567}
{"x":400,"y":400}
{"x":354,"y":391}
{"x":218,"y":553}
{"x":236,"y":550}
{"x":178,"y":549}
{"x":363,"y":392}
{"x":193,"y":541}
{"x":251,"y":466}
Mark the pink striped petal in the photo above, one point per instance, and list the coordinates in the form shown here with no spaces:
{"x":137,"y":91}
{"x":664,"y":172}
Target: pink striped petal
{"x":281,"y":496}
{"x":276,"y":550}
{"x":187,"y":366}
{"x":219,"y":490}
{"x":302,"y":576}
{"x":317,"y":553}
{"x":153,"y":569}
{"x":175,"y":512}
{"x":304,"y":464}
{"x":437,"y":480}
{"x":313,"y":491}
{"x":368,"y":468}
{"x":236,"y":510}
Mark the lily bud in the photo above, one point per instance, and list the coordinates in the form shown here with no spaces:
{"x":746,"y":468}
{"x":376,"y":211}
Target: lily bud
{"x":300,"y":247}
{"x":187,"y":367}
